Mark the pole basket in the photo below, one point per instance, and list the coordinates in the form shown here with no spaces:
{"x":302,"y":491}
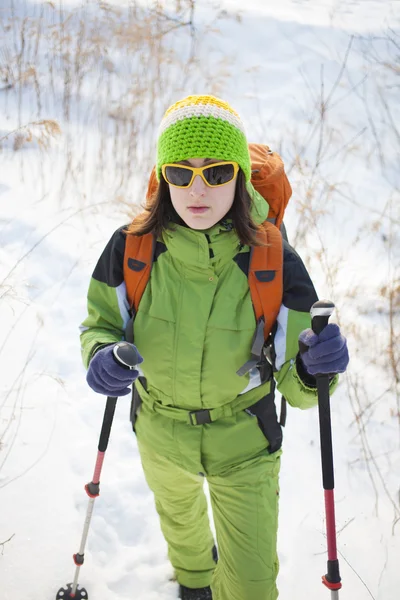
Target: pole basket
{"x":66,"y":593}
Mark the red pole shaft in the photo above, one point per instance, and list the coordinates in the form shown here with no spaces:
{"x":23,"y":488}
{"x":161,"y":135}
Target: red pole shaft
{"x":98,"y":467}
{"x":330,"y":524}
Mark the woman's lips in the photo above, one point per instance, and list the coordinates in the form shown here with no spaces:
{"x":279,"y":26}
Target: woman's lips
{"x":197,"y":210}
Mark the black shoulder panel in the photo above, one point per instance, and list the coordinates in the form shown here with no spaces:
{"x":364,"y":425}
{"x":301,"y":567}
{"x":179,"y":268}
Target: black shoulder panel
{"x":243,"y":261}
{"x":298,"y":290}
{"x":160,"y":248}
{"x":110,"y":266}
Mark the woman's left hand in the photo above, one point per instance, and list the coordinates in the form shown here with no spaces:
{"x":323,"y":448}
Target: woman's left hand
{"x":325,"y":353}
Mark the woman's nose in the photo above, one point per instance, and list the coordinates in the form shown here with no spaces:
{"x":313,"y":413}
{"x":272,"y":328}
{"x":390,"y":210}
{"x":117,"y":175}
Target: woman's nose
{"x":198,"y":187}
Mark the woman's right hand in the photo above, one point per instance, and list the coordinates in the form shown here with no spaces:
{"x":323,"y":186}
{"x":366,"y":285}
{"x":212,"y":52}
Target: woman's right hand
{"x":109,"y":377}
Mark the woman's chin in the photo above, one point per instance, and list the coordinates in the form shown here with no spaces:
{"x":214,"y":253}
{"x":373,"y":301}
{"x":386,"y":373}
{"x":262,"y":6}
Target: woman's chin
{"x":199,"y":221}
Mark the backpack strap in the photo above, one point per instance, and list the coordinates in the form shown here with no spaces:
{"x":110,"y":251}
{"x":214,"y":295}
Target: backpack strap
{"x":265,"y":278}
{"x":138,"y":260}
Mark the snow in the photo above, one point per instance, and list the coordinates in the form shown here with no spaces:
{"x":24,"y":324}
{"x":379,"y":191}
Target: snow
{"x":58,"y":208}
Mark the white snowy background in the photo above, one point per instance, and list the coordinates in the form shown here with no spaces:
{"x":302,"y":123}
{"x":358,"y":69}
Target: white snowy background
{"x":316,"y":80}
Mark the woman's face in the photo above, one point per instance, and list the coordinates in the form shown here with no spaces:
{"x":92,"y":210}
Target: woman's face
{"x":199,"y":205}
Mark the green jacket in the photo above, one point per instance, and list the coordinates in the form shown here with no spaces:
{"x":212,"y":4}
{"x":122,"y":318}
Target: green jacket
{"x":195,"y":323}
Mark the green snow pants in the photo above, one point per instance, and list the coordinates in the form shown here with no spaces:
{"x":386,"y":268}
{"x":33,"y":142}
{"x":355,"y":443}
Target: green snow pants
{"x":243,"y":483}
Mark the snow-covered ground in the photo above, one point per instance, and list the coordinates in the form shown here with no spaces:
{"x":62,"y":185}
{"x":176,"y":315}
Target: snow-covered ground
{"x":273,"y":62}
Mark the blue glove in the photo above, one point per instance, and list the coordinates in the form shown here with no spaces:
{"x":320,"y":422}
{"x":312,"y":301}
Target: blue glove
{"x":106,"y":376}
{"x":327,"y":352}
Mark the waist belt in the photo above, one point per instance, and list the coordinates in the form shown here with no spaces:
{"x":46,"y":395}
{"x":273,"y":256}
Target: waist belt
{"x":263,"y":409}
{"x":203,"y":416}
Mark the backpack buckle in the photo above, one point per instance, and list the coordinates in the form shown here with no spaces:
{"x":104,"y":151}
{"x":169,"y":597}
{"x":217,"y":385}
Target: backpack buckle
{"x":200,"y":417}
{"x":256,"y":349}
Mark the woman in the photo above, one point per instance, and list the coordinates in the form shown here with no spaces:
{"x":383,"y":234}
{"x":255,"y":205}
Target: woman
{"x":194,"y":329}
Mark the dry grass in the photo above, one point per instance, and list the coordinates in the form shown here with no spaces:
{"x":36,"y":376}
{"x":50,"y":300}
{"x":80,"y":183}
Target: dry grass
{"x":41,"y":132}
{"x":109,"y":69}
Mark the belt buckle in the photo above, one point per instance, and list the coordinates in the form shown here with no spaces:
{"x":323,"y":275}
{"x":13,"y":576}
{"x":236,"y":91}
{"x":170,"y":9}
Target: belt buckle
{"x":202,"y":417}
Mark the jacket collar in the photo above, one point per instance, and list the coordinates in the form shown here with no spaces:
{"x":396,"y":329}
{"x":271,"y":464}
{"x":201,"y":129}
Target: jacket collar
{"x":192,"y":247}
{"x":259,"y":206}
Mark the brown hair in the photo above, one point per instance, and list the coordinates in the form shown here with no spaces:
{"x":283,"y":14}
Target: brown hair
{"x":160,"y":214}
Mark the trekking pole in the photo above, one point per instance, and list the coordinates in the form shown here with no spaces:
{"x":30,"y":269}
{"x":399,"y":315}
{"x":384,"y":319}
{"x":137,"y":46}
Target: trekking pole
{"x":126,"y":355}
{"x":320,"y":313}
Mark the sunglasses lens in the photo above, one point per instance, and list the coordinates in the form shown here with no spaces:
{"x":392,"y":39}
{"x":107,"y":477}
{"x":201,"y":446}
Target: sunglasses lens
{"x":220,"y":174}
{"x":178,"y":176}
{"x":214,"y":175}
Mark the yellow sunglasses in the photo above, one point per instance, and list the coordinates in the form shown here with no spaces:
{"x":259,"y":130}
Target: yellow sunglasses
{"x":213,"y":175}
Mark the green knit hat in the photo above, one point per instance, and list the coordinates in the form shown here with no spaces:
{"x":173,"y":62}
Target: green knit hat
{"x":202,"y":127}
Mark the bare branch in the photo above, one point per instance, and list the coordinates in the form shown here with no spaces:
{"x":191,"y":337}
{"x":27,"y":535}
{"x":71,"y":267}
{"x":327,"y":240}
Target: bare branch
{"x":3,"y":543}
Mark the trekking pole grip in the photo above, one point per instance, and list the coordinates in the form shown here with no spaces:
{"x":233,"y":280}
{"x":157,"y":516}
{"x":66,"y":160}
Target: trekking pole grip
{"x":126,"y":355}
{"x":320,"y":313}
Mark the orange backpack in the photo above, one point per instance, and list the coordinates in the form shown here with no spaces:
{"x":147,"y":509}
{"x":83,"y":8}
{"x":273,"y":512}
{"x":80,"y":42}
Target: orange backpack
{"x":265,"y":274}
